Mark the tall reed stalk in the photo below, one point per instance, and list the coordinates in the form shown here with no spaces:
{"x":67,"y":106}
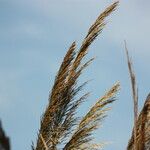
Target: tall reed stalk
{"x":140,"y":139}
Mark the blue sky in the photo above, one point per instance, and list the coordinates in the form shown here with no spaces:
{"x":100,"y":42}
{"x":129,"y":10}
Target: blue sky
{"x":35,"y":35}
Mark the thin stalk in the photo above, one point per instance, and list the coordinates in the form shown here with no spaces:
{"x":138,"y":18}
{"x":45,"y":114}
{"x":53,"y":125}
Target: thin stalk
{"x":134,"y":94}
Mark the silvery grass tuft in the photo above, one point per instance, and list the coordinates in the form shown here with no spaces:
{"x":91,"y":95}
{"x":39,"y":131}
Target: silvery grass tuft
{"x":60,"y":128}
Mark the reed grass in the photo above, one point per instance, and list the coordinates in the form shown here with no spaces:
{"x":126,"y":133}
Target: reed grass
{"x":59,"y":119}
{"x":140,"y":139}
{"x":60,"y":125}
{"x":142,"y":129}
{"x":134,"y":94}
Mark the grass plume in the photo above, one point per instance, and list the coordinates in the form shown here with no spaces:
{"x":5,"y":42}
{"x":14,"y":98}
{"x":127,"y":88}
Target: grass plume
{"x":59,"y":117}
{"x":143,"y":129}
{"x":134,"y":93}
{"x":140,"y":139}
{"x":90,"y":122}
